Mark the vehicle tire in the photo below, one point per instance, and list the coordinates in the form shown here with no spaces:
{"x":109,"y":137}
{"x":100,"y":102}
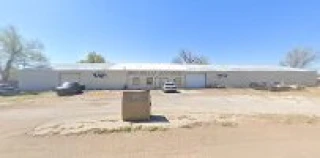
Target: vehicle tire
{"x":60,"y":93}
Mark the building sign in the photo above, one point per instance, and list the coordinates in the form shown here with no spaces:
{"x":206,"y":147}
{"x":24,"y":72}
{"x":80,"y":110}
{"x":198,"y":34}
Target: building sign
{"x":99,"y":74}
{"x":222,"y":75}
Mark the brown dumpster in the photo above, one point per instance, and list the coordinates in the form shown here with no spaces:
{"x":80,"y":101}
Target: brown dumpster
{"x":136,"y":105}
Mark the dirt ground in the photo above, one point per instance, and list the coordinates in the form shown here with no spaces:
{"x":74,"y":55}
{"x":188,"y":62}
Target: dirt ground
{"x":201,"y":123}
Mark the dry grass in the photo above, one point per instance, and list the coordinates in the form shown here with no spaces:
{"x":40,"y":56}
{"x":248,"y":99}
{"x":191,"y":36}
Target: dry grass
{"x":230,"y":120}
{"x":28,"y":96}
{"x":155,"y":128}
{"x":123,"y":129}
{"x":288,"y":119}
{"x":228,"y":124}
{"x":309,"y":92}
{"x":222,"y":120}
{"x":103,"y":94}
{"x":193,"y":125}
{"x":107,"y":94}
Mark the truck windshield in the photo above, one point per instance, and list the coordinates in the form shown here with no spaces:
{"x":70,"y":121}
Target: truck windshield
{"x":66,"y":84}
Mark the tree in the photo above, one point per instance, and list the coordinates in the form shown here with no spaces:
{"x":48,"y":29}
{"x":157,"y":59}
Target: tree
{"x":299,"y":58}
{"x":186,"y":57}
{"x":15,"y":51}
{"x":93,"y":57}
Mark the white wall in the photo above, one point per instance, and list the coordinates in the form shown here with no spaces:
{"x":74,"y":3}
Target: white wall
{"x":41,"y":80}
{"x":112,"y":80}
{"x":37,"y":80}
{"x":240,"y":79}
{"x":158,"y":78}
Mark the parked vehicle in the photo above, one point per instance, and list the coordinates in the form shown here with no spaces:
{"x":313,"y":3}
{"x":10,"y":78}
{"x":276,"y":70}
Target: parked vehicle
{"x":272,"y":86}
{"x":277,"y":86}
{"x":6,"y":89}
{"x":169,"y":87}
{"x":259,"y":85}
{"x":69,"y":88}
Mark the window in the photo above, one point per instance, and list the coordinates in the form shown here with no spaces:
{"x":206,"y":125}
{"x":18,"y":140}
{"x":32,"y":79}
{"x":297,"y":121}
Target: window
{"x":177,"y":81}
{"x":169,"y":84}
{"x":66,"y":84}
{"x":149,"y":81}
{"x":136,"y":81}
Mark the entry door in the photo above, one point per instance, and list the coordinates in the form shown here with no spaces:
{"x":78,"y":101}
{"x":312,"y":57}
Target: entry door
{"x":195,"y":80}
{"x":161,"y":81}
{"x":69,"y":77}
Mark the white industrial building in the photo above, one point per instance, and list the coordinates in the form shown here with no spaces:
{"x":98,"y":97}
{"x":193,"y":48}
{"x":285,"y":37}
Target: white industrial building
{"x":152,"y":76}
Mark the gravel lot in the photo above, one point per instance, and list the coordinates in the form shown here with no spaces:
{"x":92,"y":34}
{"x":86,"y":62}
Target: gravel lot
{"x":103,"y":107}
{"x":45,"y":114}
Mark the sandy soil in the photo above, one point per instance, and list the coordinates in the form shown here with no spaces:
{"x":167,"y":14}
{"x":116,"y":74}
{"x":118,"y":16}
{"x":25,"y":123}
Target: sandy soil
{"x":203,"y":123}
{"x":251,"y":141}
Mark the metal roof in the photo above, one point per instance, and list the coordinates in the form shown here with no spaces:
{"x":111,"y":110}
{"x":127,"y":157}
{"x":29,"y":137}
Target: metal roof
{"x":256,"y":68}
{"x":81,"y":66}
{"x":181,"y":67}
{"x":169,"y":67}
{"x":148,"y":67}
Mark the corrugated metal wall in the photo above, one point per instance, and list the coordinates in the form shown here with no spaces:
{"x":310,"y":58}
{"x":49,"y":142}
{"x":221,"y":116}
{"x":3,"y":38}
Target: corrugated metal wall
{"x":48,"y":79}
{"x":240,"y":79}
{"x":111,"y":80}
{"x":38,"y":80}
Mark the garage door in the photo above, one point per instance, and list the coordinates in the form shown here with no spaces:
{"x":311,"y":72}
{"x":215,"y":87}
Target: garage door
{"x":196,"y":80}
{"x":69,"y":77}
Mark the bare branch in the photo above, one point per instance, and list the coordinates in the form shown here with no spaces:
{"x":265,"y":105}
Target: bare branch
{"x":186,"y":57}
{"x":14,"y":51}
{"x":299,"y":58}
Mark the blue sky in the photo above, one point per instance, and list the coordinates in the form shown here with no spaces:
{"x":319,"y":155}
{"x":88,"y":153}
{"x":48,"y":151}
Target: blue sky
{"x":226,"y":31}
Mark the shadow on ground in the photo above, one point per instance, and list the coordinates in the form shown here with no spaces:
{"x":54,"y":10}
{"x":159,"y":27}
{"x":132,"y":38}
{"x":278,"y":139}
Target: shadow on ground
{"x":177,"y":91}
{"x":154,"y":119}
